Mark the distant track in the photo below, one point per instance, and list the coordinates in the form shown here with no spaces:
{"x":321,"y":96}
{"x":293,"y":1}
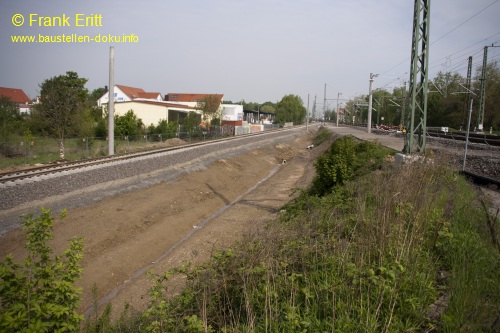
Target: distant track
{"x":481,"y":180}
{"x":490,"y":140}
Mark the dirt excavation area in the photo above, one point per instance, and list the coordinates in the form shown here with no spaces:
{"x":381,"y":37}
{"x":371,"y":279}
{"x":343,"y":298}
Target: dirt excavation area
{"x":165,"y":225}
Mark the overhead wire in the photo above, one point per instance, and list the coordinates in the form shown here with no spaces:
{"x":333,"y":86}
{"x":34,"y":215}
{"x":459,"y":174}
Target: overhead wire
{"x":457,"y":52}
{"x":461,"y":24}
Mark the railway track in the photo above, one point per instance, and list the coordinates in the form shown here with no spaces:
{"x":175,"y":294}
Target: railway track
{"x":482,"y":180}
{"x":490,"y":140}
{"x":12,"y":177}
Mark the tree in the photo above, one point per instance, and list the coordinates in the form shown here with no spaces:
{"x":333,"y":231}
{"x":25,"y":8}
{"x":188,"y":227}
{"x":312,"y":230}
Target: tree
{"x":96,"y":94}
{"x":251,"y":106}
{"x":382,"y":108}
{"x":290,"y":109}
{"x":330,"y":115}
{"x":128,"y":124}
{"x":267,"y":108}
{"x":96,"y":111}
{"x":492,"y":96}
{"x":10,"y":118}
{"x":63,"y":101}
{"x":190,"y":122}
{"x":446,"y":103}
{"x":396,"y":107}
{"x":210,"y":108}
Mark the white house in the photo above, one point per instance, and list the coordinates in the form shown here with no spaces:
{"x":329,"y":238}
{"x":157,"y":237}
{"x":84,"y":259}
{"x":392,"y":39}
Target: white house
{"x":19,"y":97}
{"x":232,"y":112}
{"x":127,"y":94}
{"x":152,"y":112}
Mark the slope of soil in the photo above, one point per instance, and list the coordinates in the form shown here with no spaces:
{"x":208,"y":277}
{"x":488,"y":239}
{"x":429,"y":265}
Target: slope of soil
{"x":167,"y":224}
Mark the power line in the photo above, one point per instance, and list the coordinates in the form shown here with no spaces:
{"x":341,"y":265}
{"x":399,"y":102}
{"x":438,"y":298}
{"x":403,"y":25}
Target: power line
{"x":446,"y":34}
{"x":470,"y":18}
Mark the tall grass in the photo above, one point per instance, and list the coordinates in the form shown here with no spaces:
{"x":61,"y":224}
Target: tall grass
{"x":368,"y":255}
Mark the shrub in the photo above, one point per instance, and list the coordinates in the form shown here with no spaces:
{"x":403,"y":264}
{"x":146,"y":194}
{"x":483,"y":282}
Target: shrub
{"x":322,"y":135}
{"x":40,"y":295}
{"x":346,"y":159}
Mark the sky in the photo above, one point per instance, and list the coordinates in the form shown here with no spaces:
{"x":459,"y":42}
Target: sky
{"x":255,"y":50}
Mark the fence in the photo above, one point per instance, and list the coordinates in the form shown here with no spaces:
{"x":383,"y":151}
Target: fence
{"x":20,"y":151}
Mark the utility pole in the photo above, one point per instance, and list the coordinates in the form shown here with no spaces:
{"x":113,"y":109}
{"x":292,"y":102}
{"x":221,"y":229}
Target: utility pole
{"x":111,"y":102}
{"x":324,"y":104}
{"x":480,"y":114}
{"x":369,"y":125}
{"x":338,"y":114}
{"x":403,"y":119}
{"x":417,"y":117}
{"x":314,"y":109}
{"x":467,"y":87}
{"x":467,"y":134}
{"x":307,"y":115}
{"x":482,"y":96}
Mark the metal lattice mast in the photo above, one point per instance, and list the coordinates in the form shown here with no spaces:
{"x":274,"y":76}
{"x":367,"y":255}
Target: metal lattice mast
{"x":480,"y":114}
{"x":467,"y":87}
{"x":417,"y":113}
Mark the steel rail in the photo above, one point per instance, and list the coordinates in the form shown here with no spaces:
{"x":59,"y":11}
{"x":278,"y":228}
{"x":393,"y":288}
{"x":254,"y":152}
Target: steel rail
{"x":481,"y":180}
{"x":473,"y":138}
{"x":65,"y":166}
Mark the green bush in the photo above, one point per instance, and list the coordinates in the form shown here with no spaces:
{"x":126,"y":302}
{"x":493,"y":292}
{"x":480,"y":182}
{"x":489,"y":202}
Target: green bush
{"x":322,"y":135}
{"x":40,"y":295}
{"x":346,"y":159}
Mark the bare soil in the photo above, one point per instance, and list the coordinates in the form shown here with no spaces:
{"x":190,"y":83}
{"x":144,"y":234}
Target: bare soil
{"x":163,"y":226}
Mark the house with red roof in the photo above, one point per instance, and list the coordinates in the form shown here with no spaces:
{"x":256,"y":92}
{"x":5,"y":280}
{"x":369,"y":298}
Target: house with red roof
{"x":150,"y":107}
{"x":192,"y":100}
{"x":19,"y":97}
{"x":126,"y":94}
{"x":189,"y":99}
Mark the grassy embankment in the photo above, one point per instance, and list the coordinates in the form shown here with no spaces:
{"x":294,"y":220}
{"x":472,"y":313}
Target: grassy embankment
{"x":47,"y":150}
{"x":370,"y":247}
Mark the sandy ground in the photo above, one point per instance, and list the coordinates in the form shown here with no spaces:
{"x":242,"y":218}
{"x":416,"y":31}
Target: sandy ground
{"x":165,"y":225}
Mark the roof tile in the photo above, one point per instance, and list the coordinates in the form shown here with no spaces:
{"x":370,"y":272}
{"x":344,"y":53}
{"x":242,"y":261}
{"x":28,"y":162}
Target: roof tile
{"x":15,"y":95}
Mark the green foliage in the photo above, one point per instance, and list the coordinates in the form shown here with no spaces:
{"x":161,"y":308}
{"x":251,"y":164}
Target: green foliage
{"x":88,"y":125}
{"x":177,"y":315}
{"x":210,"y":108}
{"x":474,"y":268}
{"x":492,"y":97}
{"x":166,"y":129}
{"x":215,"y":122}
{"x":290,"y":109}
{"x":96,"y":94}
{"x":10,"y":120}
{"x":40,"y":295}
{"x":191,"y":122}
{"x":128,"y":125}
{"x":129,"y":320}
{"x":63,"y":100}
{"x":346,"y":159}
{"x":322,"y":135}
{"x":267,"y":107}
